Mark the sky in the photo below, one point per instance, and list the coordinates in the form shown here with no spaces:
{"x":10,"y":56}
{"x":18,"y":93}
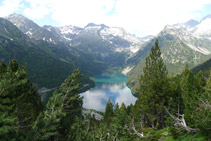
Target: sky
{"x":139,"y":17}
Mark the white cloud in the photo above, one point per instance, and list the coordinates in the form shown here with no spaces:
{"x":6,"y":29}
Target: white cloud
{"x":137,"y":16}
{"x":97,"y":97}
{"x":75,"y":12}
{"x":9,"y":6}
{"x":81,"y":12}
{"x":94,"y":99}
{"x":125,"y":97}
{"x":37,"y":12}
{"x":150,"y":16}
{"x":38,"y":9}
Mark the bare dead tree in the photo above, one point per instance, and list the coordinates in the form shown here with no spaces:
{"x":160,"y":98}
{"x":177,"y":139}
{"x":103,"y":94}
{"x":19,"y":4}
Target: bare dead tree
{"x":87,"y":130}
{"x":140,"y":135}
{"x":206,"y":104}
{"x":180,"y":122}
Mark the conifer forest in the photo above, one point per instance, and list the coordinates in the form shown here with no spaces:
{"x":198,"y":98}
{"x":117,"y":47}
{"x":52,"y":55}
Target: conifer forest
{"x":168,"y":107}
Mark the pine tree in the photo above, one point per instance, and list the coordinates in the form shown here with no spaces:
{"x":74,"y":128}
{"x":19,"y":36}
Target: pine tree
{"x":60,"y":118}
{"x":208,"y":84}
{"x":190,"y":89}
{"x":176,"y":104}
{"x":202,"y":113}
{"x":123,"y":108}
{"x":48,"y":123}
{"x":108,"y":111}
{"x":201,"y":80}
{"x":72,"y":101}
{"x":154,"y":88}
{"x":116,"y":110}
{"x":7,"y":106}
{"x":20,"y":103}
{"x":122,"y":116}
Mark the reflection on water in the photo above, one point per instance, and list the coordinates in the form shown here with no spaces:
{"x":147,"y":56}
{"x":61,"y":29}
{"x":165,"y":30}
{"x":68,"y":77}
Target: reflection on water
{"x":111,"y":86}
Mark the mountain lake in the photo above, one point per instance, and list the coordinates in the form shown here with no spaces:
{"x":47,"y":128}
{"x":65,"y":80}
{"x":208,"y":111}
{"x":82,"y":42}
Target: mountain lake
{"x":107,"y":86}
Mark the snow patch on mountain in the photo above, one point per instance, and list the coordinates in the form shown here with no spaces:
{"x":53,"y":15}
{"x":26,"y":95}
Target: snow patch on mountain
{"x":134,"y":49}
{"x":146,"y":38}
{"x":68,"y":30}
{"x":29,"y":33}
{"x":93,"y":27}
{"x":69,"y":39}
{"x":6,"y":30}
{"x":126,"y":70}
{"x":200,"y":29}
{"x":120,"y":32}
{"x":113,"y":33}
{"x":193,"y":41}
{"x":199,"y":49}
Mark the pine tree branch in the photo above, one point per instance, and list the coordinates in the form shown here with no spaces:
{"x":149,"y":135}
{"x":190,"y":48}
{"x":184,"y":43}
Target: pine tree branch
{"x":25,"y":120}
{"x":206,"y":105}
{"x":21,"y":127}
{"x":1,"y":93}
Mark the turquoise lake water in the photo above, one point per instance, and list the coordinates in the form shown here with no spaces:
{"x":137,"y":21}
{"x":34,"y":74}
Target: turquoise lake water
{"x":107,"y":86}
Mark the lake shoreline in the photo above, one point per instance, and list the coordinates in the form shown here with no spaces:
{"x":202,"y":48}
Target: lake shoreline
{"x":108,"y":86}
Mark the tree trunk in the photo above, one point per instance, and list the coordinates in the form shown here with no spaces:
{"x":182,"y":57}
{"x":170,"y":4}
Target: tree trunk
{"x":162,"y":120}
{"x":19,"y":118}
{"x":140,"y":135}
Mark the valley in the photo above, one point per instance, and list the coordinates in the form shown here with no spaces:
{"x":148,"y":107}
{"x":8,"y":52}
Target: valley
{"x":103,"y":83}
{"x":99,"y":48}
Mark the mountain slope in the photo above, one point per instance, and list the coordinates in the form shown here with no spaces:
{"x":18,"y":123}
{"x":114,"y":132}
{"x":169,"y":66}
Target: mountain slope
{"x":178,"y":47}
{"x":37,"y":60}
{"x":205,"y":67}
{"x":47,"y":64}
{"x":96,"y":47}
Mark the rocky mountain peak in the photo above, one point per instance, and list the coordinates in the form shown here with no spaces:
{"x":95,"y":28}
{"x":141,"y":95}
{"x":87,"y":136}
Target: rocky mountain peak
{"x":31,"y":29}
{"x":207,"y":17}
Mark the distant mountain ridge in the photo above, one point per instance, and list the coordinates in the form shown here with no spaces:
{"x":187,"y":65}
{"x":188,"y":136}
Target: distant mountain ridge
{"x":94,"y":48}
{"x":113,"y":35}
{"x":189,"y":24}
{"x":200,"y":29}
{"x":110,"y":45}
{"x":47,"y":64}
{"x":115,"y":49}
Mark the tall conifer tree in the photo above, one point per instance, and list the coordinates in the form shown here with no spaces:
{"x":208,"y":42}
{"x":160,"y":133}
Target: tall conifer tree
{"x":108,"y":111}
{"x":154,"y":88}
{"x":190,"y":89}
{"x":62,"y":112}
{"x":20,"y":104}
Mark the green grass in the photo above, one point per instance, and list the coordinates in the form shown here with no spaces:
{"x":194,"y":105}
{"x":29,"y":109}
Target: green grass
{"x":166,"y":135}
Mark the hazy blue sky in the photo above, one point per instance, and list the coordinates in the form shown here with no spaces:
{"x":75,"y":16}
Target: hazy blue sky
{"x":141,"y":17}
